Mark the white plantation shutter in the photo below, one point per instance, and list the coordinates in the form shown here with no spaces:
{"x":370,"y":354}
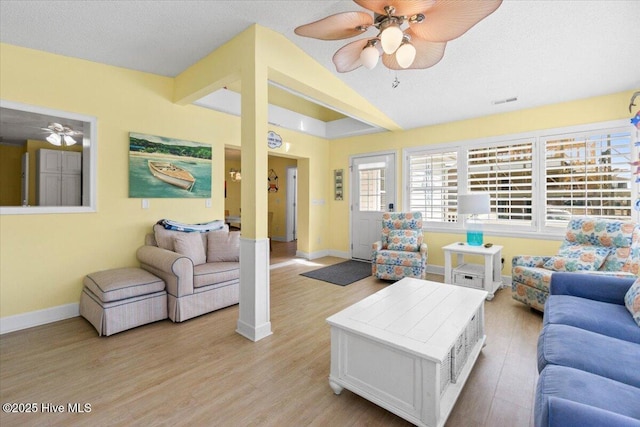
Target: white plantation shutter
{"x":505,"y":171}
{"x":433,"y":185}
{"x":588,"y":174}
{"x":536,"y":181}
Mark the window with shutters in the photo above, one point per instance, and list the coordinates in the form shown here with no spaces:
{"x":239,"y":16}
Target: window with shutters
{"x":505,"y":171}
{"x":588,"y":173}
{"x":433,"y":185}
{"x":536,"y":181}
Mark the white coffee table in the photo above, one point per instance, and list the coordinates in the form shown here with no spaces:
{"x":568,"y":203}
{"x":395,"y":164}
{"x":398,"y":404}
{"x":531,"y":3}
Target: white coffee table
{"x":409,"y":348}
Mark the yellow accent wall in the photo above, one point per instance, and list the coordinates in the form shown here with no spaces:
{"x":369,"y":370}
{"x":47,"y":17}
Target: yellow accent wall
{"x":278,"y":200}
{"x":44,"y":257}
{"x":590,"y":110}
{"x":10,"y":173}
{"x":232,"y":202}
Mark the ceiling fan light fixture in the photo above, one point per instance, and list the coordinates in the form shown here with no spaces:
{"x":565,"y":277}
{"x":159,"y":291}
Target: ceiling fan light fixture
{"x":68,"y":140}
{"x":391,"y":37}
{"x":369,"y":55}
{"x":405,"y":54}
{"x":412,"y":34}
{"x":54,"y":139}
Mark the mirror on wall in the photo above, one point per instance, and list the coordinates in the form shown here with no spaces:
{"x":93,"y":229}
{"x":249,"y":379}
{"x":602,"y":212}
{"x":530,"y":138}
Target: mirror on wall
{"x":47,"y":160}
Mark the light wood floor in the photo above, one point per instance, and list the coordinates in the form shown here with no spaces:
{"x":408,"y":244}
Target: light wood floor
{"x":202,"y":373}
{"x":282,"y":251}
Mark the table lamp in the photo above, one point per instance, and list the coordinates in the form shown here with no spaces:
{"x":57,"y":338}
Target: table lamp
{"x":473,"y":205}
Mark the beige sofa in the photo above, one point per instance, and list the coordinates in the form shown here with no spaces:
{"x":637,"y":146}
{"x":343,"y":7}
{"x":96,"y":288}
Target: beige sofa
{"x":201,"y":269}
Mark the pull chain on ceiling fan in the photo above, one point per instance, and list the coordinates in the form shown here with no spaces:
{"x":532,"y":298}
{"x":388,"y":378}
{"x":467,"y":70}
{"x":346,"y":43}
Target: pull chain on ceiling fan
{"x":412,"y":34}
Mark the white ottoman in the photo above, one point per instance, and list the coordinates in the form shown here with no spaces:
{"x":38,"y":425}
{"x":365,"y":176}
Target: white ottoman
{"x":124,"y":298}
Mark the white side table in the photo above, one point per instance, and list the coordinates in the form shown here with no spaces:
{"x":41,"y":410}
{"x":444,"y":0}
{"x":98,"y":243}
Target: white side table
{"x":492,"y":279}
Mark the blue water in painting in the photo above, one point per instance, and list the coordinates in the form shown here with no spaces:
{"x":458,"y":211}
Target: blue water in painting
{"x":144,"y":185}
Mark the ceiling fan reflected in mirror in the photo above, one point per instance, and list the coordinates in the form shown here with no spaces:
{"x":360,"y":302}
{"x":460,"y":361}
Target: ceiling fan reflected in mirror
{"x":61,"y":135}
{"x":412,"y":34}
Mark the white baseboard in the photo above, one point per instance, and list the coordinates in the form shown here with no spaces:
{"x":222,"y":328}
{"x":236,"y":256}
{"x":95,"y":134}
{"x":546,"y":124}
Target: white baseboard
{"x":38,"y":317}
{"x":340,"y":254}
{"x":312,"y":255}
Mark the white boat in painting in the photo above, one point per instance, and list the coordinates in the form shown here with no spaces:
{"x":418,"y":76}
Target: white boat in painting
{"x":172,"y":174}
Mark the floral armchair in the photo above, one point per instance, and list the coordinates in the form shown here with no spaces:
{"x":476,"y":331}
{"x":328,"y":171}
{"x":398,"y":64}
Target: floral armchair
{"x":401,"y":251}
{"x":591,"y":245}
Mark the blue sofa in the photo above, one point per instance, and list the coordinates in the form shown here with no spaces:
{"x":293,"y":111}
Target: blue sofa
{"x":588,"y":354}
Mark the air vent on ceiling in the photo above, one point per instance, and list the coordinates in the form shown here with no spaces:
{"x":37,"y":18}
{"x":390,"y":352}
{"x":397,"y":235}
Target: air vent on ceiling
{"x":504,"y":101}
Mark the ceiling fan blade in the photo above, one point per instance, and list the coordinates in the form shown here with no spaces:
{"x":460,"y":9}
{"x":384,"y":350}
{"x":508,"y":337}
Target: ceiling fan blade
{"x":337,"y":27}
{"x":403,"y":7}
{"x":428,"y":54}
{"x":347,"y":58}
{"x":449,"y":19}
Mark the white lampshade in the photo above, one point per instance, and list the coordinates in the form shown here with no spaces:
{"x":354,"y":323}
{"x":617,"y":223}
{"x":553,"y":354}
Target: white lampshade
{"x":369,"y":56}
{"x":68,"y":140}
{"x":474,"y":204}
{"x":405,"y":55}
{"x":54,"y":139}
{"x":391,"y":38}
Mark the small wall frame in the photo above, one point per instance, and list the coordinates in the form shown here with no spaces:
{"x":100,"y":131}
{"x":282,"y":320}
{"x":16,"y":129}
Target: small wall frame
{"x":338,"y":184}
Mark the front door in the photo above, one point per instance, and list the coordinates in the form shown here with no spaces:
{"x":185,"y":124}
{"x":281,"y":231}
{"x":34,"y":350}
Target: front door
{"x":373,"y":192}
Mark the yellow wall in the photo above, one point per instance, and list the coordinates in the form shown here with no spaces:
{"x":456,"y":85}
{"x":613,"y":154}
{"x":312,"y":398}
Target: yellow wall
{"x":10,"y":171}
{"x":278,"y":200}
{"x":591,"y":110}
{"x":232,"y":202}
{"x":44,"y":257}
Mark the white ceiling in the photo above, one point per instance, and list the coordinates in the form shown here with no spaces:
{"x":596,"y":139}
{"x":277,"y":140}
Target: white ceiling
{"x":541,"y":52}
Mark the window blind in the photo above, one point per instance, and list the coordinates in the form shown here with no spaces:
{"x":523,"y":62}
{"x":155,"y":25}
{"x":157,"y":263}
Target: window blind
{"x":588,"y":174}
{"x":433,"y":185}
{"x":505,"y":171}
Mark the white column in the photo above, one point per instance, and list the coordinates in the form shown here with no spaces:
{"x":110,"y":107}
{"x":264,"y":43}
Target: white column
{"x":254,"y":321}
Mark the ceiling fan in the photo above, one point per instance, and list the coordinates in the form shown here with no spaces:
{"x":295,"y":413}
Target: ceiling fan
{"x":412,"y":34}
{"x":61,"y":135}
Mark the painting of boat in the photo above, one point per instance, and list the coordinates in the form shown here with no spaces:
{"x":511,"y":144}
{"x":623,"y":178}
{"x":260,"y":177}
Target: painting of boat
{"x":172,"y":174}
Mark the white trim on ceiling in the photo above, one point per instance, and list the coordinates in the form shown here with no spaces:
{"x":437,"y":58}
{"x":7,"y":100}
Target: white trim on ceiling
{"x":227,"y":101}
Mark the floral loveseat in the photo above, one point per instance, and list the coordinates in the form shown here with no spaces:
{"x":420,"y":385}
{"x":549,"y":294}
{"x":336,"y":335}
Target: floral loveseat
{"x":591,"y":245}
{"x":401,"y":251}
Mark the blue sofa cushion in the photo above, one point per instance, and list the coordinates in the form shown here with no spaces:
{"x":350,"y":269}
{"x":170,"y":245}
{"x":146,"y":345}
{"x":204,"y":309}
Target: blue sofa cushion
{"x":604,"y":318}
{"x":565,"y":413}
{"x":610,"y":289}
{"x":585,"y":388}
{"x":588,"y":351}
